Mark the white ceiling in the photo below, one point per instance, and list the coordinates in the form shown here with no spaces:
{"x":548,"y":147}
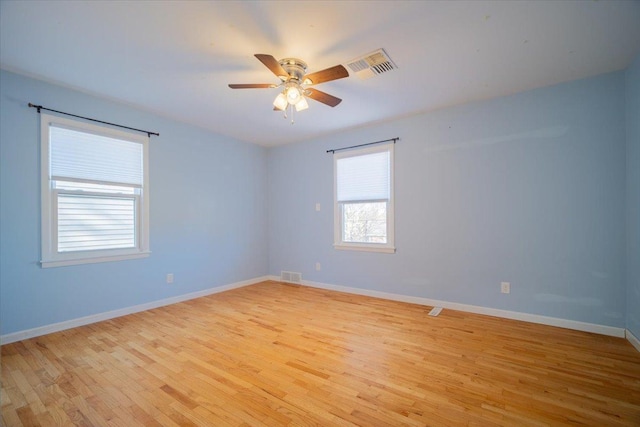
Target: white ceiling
{"x":175,"y":58}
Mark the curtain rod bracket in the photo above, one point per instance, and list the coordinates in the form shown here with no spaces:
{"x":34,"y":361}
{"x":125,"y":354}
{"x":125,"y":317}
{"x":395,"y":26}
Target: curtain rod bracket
{"x":37,"y":107}
{"x":40,"y":107}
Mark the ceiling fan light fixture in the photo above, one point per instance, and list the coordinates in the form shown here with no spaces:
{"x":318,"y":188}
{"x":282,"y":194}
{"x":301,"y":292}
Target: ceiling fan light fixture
{"x":280,"y":102}
{"x":302,"y":104}
{"x":293,"y":94}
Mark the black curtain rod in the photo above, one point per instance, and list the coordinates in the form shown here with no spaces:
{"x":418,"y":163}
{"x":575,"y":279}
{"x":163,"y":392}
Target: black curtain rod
{"x":40,"y":107}
{"x":362,"y":145}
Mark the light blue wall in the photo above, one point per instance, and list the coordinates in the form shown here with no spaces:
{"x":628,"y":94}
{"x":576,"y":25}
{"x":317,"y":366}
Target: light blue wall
{"x":528,"y":189}
{"x":208,"y":199}
{"x":633,"y":196}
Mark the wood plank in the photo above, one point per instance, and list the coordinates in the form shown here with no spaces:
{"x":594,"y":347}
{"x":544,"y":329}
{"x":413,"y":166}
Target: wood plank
{"x":279,"y":354}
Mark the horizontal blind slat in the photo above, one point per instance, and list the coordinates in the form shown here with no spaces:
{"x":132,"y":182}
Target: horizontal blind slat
{"x":95,"y":222}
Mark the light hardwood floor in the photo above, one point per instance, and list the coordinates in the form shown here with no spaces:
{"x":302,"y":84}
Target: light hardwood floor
{"x":276,"y":354}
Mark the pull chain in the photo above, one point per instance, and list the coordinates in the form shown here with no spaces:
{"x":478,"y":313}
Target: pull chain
{"x":290,"y":107}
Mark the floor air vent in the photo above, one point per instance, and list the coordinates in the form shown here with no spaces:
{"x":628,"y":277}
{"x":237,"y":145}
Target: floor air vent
{"x":435,"y":311}
{"x":291,"y":277}
{"x":372,"y":64}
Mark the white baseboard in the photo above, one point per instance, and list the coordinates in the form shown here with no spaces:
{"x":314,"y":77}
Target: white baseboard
{"x":533,"y":318}
{"x":81,"y":321}
{"x":526,"y":317}
{"x":633,"y":339}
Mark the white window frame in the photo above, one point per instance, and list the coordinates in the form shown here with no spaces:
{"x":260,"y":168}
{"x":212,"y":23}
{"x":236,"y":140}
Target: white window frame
{"x":338,"y":243}
{"x":49,"y":200}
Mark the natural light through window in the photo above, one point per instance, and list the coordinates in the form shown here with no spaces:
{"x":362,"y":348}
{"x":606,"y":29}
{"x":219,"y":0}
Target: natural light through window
{"x":363,"y":180}
{"x":364,"y":222}
{"x":94,"y":193}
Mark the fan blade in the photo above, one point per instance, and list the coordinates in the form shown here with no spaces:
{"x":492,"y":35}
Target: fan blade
{"x":323,"y":97}
{"x":252,"y":86}
{"x":272,"y":63}
{"x":333,"y":73}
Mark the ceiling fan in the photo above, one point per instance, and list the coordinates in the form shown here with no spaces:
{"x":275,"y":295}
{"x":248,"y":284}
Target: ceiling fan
{"x":295,"y":82}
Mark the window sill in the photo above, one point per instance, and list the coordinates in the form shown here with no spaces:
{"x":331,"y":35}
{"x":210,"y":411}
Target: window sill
{"x":77,"y":261}
{"x":365,"y":248}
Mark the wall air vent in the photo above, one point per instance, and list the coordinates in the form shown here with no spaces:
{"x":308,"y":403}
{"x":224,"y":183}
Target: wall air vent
{"x":291,"y":277}
{"x":372,"y":64}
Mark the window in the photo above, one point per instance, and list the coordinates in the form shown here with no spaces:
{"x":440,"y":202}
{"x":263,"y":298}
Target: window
{"x":95,"y":202}
{"x":363,"y":188}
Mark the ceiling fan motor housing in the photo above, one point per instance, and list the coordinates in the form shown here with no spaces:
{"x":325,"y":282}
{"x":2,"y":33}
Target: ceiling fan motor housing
{"x":295,"y":67}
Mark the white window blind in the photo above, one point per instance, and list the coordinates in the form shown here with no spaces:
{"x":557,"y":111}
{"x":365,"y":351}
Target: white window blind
{"x":97,"y":158}
{"x":364,"y":177}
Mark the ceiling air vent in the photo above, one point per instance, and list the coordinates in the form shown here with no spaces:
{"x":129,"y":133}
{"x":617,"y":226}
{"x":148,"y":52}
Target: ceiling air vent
{"x":371,"y":64}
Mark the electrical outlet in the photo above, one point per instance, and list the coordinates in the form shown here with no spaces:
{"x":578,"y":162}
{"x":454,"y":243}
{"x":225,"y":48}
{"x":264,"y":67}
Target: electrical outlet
{"x":169,"y":277}
{"x":317,"y":266}
{"x":505,"y":287}
{"x":317,"y":207}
